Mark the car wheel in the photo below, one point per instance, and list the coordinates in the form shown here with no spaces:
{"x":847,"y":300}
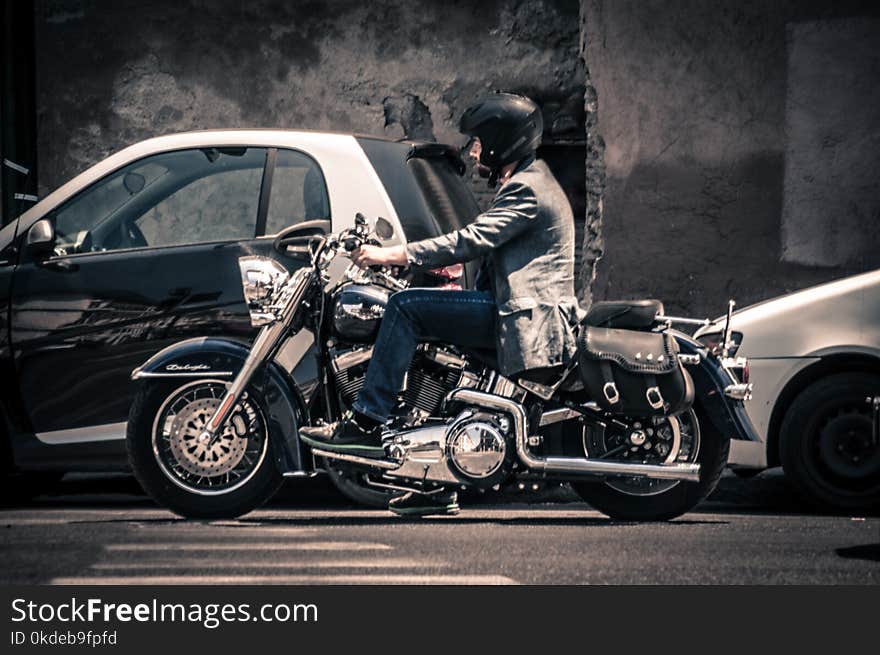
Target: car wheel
{"x":826,"y":445}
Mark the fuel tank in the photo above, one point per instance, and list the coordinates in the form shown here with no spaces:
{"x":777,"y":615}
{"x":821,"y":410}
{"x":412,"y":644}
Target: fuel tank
{"x":358,"y":311}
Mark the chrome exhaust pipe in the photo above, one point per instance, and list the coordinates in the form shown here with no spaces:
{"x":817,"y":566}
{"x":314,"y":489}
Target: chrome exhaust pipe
{"x":569,"y":465}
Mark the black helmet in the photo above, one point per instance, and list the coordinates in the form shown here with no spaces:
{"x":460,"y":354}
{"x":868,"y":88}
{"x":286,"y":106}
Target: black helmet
{"x":509,"y":127}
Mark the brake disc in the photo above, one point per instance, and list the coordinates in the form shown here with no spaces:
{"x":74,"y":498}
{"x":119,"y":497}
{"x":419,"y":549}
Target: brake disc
{"x":198,"y":455}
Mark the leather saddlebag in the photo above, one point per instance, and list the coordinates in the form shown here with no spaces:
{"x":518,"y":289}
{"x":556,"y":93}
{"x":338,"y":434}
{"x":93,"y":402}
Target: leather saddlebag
{"x":631,"y":373}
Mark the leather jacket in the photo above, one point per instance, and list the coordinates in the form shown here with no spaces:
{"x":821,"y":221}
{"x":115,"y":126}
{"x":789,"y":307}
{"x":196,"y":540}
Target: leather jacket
{"x":527,"y":235}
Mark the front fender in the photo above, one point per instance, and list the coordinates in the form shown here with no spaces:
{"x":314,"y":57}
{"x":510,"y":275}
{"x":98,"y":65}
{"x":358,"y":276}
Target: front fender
{"x":710,"y":379}
{"x":207,"y":357}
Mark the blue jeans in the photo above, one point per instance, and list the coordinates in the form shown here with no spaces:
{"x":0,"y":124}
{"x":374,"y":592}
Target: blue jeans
{"x":414,"y":316}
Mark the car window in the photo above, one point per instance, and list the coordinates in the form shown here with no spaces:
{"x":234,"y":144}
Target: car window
{"x":299,"y":192}
{"x":90,"y":208}
{"x":186,"y":196}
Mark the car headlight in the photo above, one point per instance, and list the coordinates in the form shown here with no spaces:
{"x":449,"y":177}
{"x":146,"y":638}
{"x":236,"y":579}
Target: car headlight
{"x":261,"y":278}
{"x":712,"y":341}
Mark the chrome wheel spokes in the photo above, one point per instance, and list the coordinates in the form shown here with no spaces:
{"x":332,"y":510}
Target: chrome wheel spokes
{"x":196,"y":463}
{"x":663,"y":440}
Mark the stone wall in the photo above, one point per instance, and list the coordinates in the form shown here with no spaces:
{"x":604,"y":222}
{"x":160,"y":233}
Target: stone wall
{"x":110,"y":74}
{"x":740,"y":146}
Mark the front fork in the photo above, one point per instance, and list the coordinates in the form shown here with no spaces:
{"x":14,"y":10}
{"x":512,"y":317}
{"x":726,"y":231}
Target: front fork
{"x":262,"y":349}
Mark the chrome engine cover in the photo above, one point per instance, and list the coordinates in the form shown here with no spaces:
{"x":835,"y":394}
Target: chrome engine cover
{"x":475,"y":446}
{"x":471,"y":449}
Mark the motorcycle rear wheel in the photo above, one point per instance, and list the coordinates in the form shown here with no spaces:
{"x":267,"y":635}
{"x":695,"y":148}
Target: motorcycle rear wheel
{"x":611,"y":497}
{"x":173,"y":474}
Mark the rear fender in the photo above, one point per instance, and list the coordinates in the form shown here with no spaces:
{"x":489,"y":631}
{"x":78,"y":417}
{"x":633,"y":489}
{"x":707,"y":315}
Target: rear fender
{"x":710,"y":379}
{"x":222,"y":359}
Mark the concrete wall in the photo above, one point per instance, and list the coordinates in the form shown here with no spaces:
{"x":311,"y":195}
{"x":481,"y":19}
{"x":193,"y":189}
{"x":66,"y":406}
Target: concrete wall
{"x":740,"y":146}
{"x":110,"y":74}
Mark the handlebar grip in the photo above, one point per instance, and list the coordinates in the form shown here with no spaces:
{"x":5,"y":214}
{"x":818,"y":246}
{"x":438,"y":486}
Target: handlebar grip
{"x":351,"y":244}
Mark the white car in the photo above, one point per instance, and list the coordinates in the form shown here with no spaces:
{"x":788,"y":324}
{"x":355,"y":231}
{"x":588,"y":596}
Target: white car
{"x":814,"y":360}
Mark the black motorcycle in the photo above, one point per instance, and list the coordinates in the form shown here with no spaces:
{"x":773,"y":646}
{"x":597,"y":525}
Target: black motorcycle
{"x":639,"y":422}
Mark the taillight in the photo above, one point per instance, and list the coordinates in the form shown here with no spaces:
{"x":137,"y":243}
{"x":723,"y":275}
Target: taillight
{"x":451,"y":274}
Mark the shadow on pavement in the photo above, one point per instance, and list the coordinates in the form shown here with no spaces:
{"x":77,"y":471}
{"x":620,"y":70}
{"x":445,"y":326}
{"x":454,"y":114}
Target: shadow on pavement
{"x":766,"y":493}
{"x":870,"y":552}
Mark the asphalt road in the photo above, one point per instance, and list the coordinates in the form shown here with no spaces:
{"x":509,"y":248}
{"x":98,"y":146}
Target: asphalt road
{"x":92,"y":533}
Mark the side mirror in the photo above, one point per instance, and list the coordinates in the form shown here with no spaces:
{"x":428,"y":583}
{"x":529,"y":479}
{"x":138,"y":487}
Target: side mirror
{"x":40,"y":238}
{"x":384,"y":229}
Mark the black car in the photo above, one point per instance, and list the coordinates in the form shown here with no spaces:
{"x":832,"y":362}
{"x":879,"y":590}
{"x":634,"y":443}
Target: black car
{"x":141,"y":251}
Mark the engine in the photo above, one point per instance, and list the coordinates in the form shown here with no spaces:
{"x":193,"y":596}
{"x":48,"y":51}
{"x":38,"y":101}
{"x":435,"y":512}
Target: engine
{"x":472,"y":446}
{"x":434,"y":372}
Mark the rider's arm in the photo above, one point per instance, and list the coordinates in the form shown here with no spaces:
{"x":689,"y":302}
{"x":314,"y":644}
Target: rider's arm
{"x":514,"y":210}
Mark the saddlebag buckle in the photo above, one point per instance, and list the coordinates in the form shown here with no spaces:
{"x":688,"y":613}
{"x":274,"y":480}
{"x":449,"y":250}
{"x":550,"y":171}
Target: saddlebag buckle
{"x":611,"y":393}
{"x":654,"y":397}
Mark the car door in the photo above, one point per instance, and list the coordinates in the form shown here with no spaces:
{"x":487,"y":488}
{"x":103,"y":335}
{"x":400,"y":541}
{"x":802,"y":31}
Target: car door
{"x":143,"y":258}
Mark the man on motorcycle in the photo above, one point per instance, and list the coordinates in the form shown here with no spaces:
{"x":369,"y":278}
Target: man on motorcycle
{"x":524,"y":303}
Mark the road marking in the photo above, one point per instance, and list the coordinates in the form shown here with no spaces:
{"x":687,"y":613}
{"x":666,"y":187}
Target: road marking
{"x":227,"y":530}
{"x":12,"y":522}
{"x":378,"y":579}
{"x":175,"y":527}
{"x":270,"y":564}
{"x":260,"y":546}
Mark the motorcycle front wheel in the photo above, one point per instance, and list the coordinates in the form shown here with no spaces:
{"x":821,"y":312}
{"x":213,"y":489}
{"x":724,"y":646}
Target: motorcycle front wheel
{"x":226,"y":478}
{"x":641,"y":499}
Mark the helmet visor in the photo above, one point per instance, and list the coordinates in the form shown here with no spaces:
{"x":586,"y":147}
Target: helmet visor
{"x":470,"y":150}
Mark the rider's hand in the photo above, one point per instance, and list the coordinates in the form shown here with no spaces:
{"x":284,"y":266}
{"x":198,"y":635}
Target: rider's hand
{"x":368,"y":255}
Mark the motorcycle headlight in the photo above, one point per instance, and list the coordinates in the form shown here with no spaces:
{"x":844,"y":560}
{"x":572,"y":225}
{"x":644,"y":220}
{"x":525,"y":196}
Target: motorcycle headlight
{"x":261,"y":278}
{"x":712,"y":341}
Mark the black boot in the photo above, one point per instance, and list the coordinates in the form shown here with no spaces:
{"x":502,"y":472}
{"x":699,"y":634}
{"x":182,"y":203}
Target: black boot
{"x":415,"y":504}
{"x":354,"y":433}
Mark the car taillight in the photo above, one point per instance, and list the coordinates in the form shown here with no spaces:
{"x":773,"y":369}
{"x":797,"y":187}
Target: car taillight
{"x":452,"y":275}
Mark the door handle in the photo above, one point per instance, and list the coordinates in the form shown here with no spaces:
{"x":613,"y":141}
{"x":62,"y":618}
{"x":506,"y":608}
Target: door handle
{"x":60,"y":265}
